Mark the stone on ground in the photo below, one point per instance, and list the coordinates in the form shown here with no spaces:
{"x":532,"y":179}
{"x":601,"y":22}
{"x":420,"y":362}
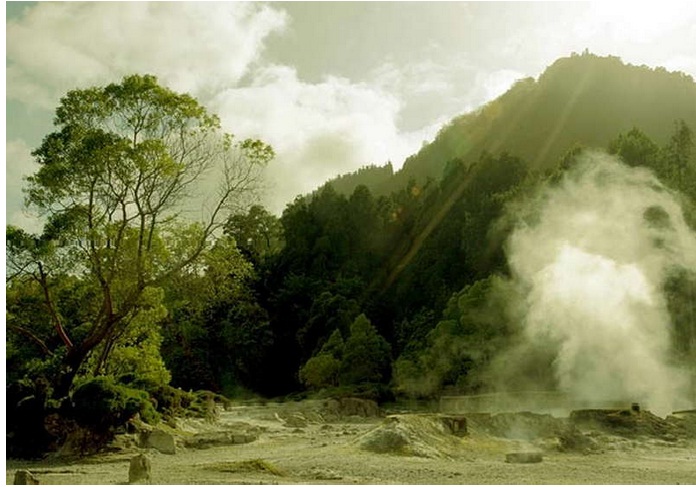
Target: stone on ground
{"x":352,"y":406}
{"x":523,"y":457}
{"x":256,"y":465}
{"x":159,"y":440}
{"x":220,"y":438}
{"x":421,"y":435}
{"x":25,"y":477}
{"x":140,"y":470}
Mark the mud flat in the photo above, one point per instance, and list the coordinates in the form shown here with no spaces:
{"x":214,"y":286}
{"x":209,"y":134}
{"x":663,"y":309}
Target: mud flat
{"x":312,"y":443}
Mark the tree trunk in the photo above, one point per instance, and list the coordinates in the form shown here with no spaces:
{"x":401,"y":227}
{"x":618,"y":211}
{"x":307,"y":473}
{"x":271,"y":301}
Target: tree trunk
{"x":69,"y":367}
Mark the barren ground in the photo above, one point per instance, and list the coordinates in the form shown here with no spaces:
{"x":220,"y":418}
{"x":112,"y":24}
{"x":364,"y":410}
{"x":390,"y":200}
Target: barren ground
{"x":327,"y":451}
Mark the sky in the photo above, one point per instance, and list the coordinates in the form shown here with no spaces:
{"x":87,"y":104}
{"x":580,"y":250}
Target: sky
{"x":332,"y":86}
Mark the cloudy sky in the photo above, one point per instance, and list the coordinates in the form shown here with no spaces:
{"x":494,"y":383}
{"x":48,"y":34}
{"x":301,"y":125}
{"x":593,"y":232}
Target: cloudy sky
{"x":332,"y":86}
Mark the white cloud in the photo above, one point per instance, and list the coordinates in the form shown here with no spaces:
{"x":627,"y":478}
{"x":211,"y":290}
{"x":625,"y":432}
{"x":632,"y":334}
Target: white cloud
{"x":213,"y":50}
{"x":197,"y":47}
{"x":317,"y":129}
{"x":640,"y":22}
{"x":20,"y":164}
{"x":434,"y":89}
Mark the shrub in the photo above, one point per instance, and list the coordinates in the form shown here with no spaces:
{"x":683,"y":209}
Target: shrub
{"x":172,"y":401}
{"x":366,"y":356}
{"x":169,"y":401}
{"x":320,"y":371}
{"x":101,"y":404}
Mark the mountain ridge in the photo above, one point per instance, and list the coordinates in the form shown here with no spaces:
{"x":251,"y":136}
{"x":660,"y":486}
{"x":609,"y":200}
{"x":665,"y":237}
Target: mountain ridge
{"x":580,"y":100}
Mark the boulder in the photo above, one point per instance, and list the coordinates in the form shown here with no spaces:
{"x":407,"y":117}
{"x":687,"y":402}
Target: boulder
{"x":386,"y":441}
{"x":25,"y":477}
{"x":523,"y":457}
{"x":140,"y":470}
{"x":295,"y":421}
{"x":455,"y":424}
{"x":352,"y":406}
{"x":421,"y":435}
{"x":573,"y":440}
{"x":317,"y":473}
{"x":219,"y":438}
{"x":79,"y":441}
{"x":160,"y":440}
{"x":123,"y":443}
{"x":253,"y":466}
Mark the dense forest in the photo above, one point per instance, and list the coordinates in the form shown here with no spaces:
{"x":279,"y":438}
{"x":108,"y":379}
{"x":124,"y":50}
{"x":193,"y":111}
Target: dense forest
{"x":380,"y":284}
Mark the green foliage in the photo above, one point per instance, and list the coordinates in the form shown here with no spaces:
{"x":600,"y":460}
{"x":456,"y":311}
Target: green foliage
{"x":33,"y":347}
{"x":334,"y":345}
{"x":635,"y":149}
{"x":473,"y":328}
{"x":680,"y":290}
{"x":366,"y":355}
{"x":112,"y":180}
{"x":674,"y":163}
{"x":373,"y":177}
{"x":257,"y":233}
{"x":320,"y":371}
{"x":216,"y":335}
{"x":364,"y":358}
{"x":102,"y":404}
{"x":135,"y":348}
{"x":680,"y":160}
{"x":328,"y":312}
{"x":171,"y":401}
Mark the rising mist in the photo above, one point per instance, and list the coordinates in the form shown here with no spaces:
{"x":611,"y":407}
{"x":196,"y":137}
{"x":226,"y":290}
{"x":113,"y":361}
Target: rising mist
{"x":590,"y":256}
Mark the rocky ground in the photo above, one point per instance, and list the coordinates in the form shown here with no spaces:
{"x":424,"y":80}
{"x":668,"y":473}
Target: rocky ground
{"x":315,"y":442}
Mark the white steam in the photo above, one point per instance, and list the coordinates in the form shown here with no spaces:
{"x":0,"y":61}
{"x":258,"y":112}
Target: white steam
{"x":592,"y":255}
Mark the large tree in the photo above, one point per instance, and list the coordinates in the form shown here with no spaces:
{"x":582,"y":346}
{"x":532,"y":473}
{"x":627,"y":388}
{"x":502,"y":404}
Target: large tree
{"x":115,"y":184}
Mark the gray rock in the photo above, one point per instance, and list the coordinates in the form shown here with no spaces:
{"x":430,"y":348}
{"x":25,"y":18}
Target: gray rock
{"x":295,"y":421}
{"x":523,"y":457}
{"x":352,"y":406}
{"x":218,"y":438}
{"x":317,"y":473}
{"x":160,"y":440}
{"x":455,"y":424}
{"x":140,"y":470}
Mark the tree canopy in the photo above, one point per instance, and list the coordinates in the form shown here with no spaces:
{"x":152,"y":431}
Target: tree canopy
{"x":113,"y":183}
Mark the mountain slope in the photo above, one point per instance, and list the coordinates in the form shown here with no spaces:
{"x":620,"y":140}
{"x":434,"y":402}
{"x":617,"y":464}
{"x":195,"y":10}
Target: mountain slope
{"x":579,"y":100}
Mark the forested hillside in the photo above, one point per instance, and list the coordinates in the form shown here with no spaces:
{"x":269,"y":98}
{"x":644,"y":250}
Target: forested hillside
{"x":583,"y":100}
{"x":400,"y":290}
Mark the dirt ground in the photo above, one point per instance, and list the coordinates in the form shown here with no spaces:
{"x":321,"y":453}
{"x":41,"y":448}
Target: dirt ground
{"x":296,"y":444}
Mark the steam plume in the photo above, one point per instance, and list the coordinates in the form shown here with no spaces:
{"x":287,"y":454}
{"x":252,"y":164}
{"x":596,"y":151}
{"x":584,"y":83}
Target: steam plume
{"x":592,"y":254}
